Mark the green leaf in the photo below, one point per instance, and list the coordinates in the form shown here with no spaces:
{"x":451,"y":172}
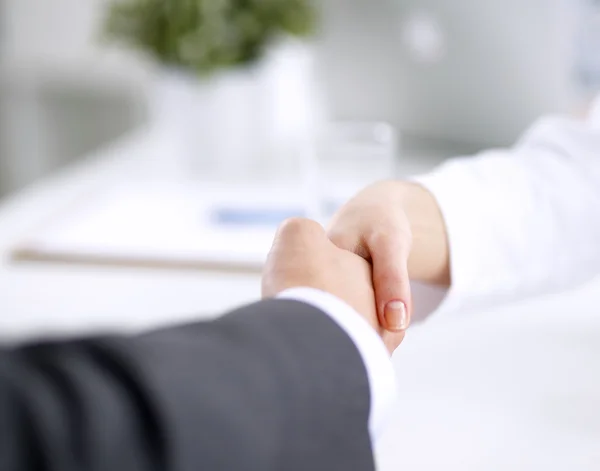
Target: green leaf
{"x":207,"y":35}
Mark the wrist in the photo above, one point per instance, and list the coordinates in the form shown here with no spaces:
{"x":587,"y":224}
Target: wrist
{"x":429,"y":257}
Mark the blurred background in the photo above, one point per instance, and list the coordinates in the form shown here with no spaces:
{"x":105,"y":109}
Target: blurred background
{"x":142,"y":172}
{"x":454,"y":76}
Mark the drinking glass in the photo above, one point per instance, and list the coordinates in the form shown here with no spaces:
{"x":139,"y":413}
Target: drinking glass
{"x":349,"y":156}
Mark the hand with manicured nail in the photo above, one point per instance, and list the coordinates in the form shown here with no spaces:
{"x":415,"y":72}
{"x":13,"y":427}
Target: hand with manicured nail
{"x":398,"y":227}
{"x":303,"y":256}
{"x":367,"y":226}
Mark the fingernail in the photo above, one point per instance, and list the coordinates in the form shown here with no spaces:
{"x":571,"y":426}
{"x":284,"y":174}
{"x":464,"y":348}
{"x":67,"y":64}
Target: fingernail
{"x":396,"y":315}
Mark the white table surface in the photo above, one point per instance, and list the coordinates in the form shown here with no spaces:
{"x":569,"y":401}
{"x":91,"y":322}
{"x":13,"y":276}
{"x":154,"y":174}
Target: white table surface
{"x":59,"y":298}
{"x":515,"y":388}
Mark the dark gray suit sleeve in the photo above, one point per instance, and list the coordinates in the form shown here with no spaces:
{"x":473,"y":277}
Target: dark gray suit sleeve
{"x":275,"y":386}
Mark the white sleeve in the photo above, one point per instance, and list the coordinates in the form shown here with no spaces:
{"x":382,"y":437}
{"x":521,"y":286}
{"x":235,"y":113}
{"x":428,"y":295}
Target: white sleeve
{"x":380,"y":372}
{"x":523,"y":221}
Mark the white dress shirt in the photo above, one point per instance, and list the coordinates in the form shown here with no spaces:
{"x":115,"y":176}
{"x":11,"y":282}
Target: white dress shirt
{"x":520,"y":222}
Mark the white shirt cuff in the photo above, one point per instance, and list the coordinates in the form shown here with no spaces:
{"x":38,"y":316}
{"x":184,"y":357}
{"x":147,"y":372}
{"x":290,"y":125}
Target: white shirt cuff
{"x":380,"y":372}
{"x":524,"y":221}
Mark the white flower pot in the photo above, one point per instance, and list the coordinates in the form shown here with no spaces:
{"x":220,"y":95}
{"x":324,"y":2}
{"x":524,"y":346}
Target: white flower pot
{"x":243,"y":122}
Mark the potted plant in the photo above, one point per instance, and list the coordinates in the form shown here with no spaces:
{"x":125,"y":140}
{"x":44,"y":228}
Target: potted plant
{"x":232,"y":72}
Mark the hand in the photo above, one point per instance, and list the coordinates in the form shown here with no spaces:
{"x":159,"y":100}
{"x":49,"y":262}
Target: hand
{"x":303,"y":256}
{"x":375,"y":226}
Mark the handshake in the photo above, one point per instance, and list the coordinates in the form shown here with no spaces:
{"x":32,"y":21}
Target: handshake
{"x":362,"y":259}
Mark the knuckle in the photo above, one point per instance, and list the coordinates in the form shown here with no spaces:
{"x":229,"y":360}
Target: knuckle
{"x":390,"y":236}
{"x":298,"y":227}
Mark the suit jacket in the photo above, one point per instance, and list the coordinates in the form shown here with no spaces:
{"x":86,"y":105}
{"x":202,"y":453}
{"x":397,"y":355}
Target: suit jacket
{"x":273,"y":386}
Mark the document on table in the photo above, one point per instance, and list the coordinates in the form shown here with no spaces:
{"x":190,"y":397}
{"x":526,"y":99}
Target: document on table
{"x":165,"y":226}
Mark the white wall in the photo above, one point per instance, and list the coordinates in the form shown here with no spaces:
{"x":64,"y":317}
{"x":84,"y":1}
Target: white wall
{"x":62,"y":92}
{"x":506,"y":62}
{"x":49,"y":30}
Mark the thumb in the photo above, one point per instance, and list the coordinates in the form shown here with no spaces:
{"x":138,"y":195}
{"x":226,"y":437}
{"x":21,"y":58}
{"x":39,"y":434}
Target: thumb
{"x":389,"y":256}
